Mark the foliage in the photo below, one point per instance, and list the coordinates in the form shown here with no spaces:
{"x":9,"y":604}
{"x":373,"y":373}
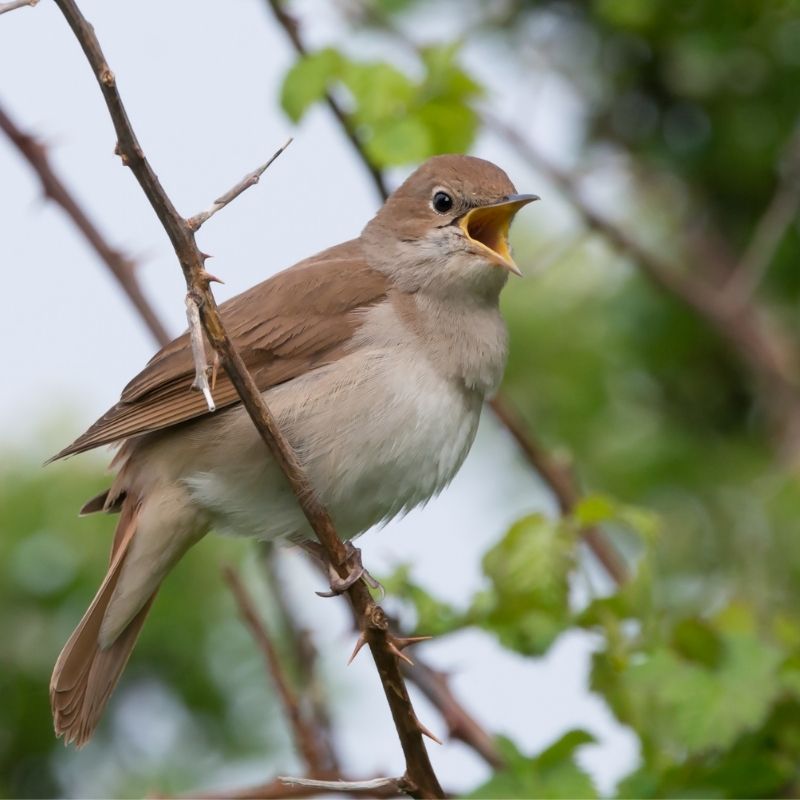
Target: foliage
{"x":693,"y":104}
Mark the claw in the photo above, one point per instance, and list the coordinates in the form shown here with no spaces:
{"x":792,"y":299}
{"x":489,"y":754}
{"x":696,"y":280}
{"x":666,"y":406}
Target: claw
{"x":356,"y":571}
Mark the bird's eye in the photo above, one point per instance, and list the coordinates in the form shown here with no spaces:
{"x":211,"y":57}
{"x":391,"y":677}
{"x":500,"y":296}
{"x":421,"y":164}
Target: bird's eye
{"x":442,"y":202}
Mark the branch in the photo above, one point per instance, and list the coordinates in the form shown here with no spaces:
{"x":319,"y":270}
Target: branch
{"x":559,"y":479}
{"x":770,"y":230}
{"x":278,"y":789}
{"x":419,"y":773}
{"x":741,"y":328}
{"x":304,"y":657}
{"x":394,"y":785}
{"x":251,"y":179}
{"x":305,"y":738}
{"x":4,"y":7}
{"x":292,"y":30}
{"x":121,"y":267}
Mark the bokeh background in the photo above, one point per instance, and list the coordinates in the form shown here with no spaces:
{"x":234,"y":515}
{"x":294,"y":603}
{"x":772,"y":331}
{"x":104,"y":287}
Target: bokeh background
{"x":654,"y":354}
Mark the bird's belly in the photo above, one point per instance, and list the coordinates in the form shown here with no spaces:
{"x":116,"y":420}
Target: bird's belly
{"x":378,"y":435}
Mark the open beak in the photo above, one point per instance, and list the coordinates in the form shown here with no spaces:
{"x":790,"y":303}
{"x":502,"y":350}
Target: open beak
{"x":487,"y":228}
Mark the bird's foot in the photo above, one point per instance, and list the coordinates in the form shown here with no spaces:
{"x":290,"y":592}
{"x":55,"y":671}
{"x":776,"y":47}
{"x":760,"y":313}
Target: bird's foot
{"x":356,"y":570}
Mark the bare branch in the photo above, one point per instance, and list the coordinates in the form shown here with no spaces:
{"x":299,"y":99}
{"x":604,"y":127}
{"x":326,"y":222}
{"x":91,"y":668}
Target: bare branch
{"x":201,"y":365}
{"x":251,"y":179}
{"x":304,"y":655}
{"x":305,"y":738}
{"x":770,"y":230}
{"x":559,"y":479}
{"x":292,"y":30}
{"x":397,"y":785}
{"x":278,"y":790}
{"x":15,"y":4}
{"x":421,"y":778}
{"x":54,"y":188}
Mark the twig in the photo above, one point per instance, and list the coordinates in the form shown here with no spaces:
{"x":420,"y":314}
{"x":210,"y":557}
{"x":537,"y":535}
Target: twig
{"x":770,"y":230}
{"x":278,"y":790}
{"x":561,"y":482}
{"x":251,"y":179}
{"x":397,"y":785}
{"x":305,"y":737}
{"x":304,"y":658}
{"x":290,"y":26}
{"x":201,"y":366}
{"x":4,"y":7}
{"x":420,"y":775}
{"x":121,"y":267}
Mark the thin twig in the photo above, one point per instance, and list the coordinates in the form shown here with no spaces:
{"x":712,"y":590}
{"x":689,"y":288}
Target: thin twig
{"x":4,"y":7}
{"x":419,"y":772}
{"x":122,"y":267}
{"x":396,"y":785}
{"x":305,"y":658}
{"x":562,"y":483}
{"x":292,"y":30}
{"x":770,"y":229}
{"x":305,"y":738}
{"x":278,"y":790}
{"x":251,"y":179}
{"x":201,"y":366}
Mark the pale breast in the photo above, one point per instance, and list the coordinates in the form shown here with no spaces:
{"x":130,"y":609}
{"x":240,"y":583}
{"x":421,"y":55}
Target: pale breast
{"x":380,"y":431}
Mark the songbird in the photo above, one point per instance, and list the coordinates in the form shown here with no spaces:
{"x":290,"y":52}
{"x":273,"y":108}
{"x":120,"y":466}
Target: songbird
{"x":375,"y":357}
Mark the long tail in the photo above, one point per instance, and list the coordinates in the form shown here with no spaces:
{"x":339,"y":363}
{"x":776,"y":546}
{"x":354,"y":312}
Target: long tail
{"x":85,"y":674}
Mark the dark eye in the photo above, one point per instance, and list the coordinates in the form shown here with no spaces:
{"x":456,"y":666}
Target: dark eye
{"x":442,"y":202}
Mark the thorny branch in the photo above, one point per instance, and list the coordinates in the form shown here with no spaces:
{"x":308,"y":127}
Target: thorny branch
{"x":123,"y":269}
{"x":421,"y":780}
{"x":597,"y":542}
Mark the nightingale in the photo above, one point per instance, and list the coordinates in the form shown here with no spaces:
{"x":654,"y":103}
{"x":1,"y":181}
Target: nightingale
{"x":374,"y":356}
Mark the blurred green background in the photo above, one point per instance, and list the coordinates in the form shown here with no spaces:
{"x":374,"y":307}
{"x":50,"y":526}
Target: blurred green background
{"x":680,"y":424}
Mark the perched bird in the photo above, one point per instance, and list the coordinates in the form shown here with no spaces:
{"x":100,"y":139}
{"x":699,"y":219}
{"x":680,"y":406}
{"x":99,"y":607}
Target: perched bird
{"x":374,"y":356}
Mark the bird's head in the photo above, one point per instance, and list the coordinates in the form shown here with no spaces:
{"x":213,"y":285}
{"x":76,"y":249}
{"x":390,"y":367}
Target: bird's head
{"x":446,"y":227}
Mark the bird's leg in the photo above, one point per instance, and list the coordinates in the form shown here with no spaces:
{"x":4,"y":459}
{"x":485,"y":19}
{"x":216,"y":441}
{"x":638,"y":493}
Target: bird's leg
{"x":355,"y":569}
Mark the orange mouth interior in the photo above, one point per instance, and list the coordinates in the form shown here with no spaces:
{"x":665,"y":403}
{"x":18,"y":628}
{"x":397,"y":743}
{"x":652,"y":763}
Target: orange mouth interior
{"x":488,"y":226}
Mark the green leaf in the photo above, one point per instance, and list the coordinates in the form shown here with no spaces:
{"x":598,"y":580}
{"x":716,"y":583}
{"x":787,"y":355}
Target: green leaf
{"x":697,"y":640}
{"x":380,"y":91}
{"x":552,"y":774}
{"x":308,"y":80}
{"x":527,"y":606}
{"x":398,"y":141}
{"x":451,"y":126}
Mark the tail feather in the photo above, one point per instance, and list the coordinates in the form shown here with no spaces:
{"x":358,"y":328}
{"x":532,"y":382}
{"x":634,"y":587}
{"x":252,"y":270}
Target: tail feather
{"x":85,"y":675}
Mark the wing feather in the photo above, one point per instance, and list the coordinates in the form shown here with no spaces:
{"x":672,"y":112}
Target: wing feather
{"x":293,"y":322}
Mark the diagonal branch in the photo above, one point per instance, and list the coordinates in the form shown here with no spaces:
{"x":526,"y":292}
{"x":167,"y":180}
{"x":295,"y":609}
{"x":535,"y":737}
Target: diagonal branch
{"x":15,"y":4}
{"x":305,"y":738}
{"x":292,"y":30}
{"x":54,"y":188}
{"x":420,"y":777}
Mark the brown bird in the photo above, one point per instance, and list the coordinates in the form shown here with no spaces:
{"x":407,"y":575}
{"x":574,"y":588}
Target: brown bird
{"x":374,"y":356}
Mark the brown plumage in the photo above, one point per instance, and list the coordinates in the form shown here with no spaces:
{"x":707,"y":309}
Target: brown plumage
{"x":283,"y":327}
{"x":374,"y":355}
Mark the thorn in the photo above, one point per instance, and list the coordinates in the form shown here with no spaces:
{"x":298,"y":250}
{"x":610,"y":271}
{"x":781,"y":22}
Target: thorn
{"x":205,"y":256}
{"x":401,"y":642}
{"x":360,"y":642}
{"x":209,"y":278}
{"x":425,"y":732}
{"x":402,"y":656}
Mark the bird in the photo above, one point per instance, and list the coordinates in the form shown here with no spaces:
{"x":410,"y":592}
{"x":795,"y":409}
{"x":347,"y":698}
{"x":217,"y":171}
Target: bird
{"x":374,"y":356}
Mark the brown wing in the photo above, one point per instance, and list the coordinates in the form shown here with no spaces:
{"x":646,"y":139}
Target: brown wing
{"x":291,"y":323}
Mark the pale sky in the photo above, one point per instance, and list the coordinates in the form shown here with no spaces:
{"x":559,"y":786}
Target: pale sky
{"x":200,"y":82}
